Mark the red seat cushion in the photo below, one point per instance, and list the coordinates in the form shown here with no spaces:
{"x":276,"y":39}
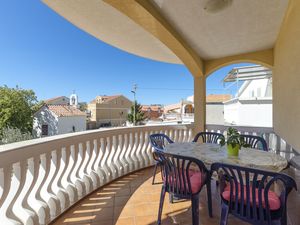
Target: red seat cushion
{"x":196,"y":182}
{"x":195,"y":179}
{"x":273,"y":199}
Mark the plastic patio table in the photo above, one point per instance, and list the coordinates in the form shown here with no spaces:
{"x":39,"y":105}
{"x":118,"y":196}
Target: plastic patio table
{"x":210,"y":153}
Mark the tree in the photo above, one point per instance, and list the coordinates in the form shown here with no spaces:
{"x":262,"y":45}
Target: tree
{"x":82,"y":106}
{"x":139,"y":115}
{"x":10,"y":135}
{"x":17,"y":107}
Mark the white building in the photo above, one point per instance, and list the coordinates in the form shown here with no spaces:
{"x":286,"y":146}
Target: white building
{"x":252,"y":105}
{"x":58,"y":119}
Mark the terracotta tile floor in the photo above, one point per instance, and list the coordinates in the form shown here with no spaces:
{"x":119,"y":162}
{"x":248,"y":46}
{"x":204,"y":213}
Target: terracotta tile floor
{"x":133,"y":200}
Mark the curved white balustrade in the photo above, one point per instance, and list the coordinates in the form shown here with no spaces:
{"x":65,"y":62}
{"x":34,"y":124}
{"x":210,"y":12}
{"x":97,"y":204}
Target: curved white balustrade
{"x":39,"y":179}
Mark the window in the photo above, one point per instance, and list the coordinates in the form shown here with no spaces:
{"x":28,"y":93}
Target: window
{"x":45,"y":130}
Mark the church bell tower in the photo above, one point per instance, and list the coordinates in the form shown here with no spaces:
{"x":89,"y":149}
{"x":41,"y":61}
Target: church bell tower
{"x":74,"y":100}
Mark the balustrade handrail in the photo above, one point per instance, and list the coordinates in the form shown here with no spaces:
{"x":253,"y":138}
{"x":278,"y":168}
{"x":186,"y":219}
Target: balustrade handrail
{"x":274,"y":141}
{"x":75,"y":137}
{"x":250,"y":129}
{"x":41,"y":178}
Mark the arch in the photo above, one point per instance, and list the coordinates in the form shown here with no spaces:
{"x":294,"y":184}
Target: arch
{"x":264,"y":58}
{"x":144,"y":13}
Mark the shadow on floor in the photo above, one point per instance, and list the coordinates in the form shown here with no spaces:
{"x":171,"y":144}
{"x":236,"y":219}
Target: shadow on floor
{"x":133,"y":200}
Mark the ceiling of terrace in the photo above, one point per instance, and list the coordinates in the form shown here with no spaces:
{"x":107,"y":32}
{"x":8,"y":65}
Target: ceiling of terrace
{"x":109,"y":25}
{"x":244,"y":26}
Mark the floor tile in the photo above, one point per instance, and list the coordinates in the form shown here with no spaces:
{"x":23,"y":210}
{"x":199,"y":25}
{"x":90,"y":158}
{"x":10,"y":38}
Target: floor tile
{"x":133,"y":200}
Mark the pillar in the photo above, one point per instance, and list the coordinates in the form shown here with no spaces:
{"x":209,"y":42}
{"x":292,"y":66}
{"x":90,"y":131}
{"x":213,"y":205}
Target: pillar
{"x":199,"y":104}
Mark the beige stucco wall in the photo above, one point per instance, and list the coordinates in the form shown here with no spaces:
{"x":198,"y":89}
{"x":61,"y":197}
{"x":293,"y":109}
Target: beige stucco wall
{"x":286,"y":78}
{"x":114,"y":111}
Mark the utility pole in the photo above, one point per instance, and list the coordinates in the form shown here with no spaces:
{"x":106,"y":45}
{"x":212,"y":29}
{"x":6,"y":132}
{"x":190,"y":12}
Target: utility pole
{"x":134,"y":103}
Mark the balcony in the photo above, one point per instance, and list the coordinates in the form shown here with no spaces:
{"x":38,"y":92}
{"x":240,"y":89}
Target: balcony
{"x":100,"y":175}
{"x":59,"y":179}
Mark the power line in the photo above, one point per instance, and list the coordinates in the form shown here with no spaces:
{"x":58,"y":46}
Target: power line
{"x":166,"y":89}
{"x":180,"y":89}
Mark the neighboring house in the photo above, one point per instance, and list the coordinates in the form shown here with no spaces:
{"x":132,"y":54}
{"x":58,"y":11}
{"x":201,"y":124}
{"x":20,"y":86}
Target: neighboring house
{"x":252,"y":105}
{"x":51,"y":120}
{"x":61,"y":100}
{"x":152,"y":112}
{"x":215,"y":108}
{"x":109,"y":110}
{"x":184,"y":110}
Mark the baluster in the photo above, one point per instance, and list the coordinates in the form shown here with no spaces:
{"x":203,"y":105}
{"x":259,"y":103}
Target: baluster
{"x":146,"y":150}
{"x":46,"y":192}
{"x":121,"y":150}
{"x":25,"y":179}
{"x":180,"y":136}
{"x":32,"y":165}
{"x":267,"y":138}
{"x":134,"y":151}
{"x":15,"y":189}
{"x":150,"y":150}
{"x":75,"y":156}
{"x":55,"y":185}
{"x":100,"y":174}
{"x":190,"y":134}
{"x":139,"y":150}
{"x":145,"y":144}
{"x":8,"y":191}
{"x":62,"y":183}
{"x":185,"y":135}
{"x":108,"y":161}
{"x":69,"y":159}
{"x":111,"y":150}
{"x":278,"y":144}
{"x":171,"y":134}
{"x":123,"y":156}
{"x":103,"y":162}
{"x":175,"y":138}
{"x":84,"y":175}
{"x":92,"y":169}
{"x":79,"y":183}
{"x":117,"y":151}
{"x":129,"y":152}
{"x":35,"y":200}
{"x":167,"y":132}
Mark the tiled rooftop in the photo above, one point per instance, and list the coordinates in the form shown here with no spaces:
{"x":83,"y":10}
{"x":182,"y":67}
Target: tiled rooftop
{"x":65,"y":110}
{"x":133,"y":200}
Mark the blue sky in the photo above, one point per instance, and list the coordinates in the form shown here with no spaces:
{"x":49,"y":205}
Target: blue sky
{"x":40,"y":50}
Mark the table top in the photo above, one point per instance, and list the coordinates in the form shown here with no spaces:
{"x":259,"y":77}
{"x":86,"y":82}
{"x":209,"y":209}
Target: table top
{"x":210,"y":153}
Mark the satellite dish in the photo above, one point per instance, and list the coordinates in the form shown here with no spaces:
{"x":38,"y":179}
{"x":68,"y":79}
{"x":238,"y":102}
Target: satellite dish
{"x":214,"y":6}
